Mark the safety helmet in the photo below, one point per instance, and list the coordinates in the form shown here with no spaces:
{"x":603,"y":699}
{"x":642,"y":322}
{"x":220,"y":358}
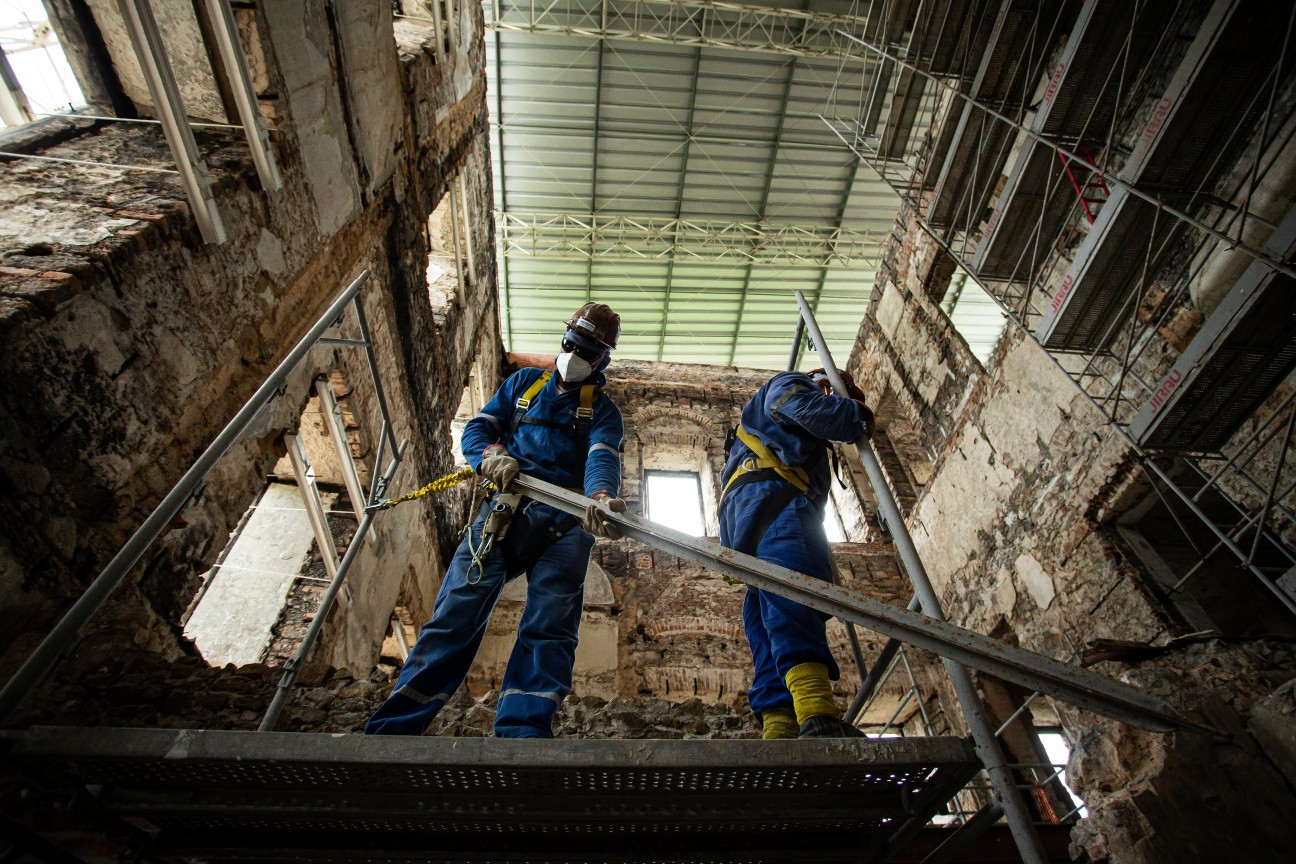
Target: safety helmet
{"x":596,"y":322}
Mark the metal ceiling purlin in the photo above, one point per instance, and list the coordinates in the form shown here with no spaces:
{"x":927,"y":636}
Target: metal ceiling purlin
{"x":765,"y":196}
{"x":841,"y":215}
{"x":737,"y":26}
{"x":594,"y":155}
{"x":679,"y":191}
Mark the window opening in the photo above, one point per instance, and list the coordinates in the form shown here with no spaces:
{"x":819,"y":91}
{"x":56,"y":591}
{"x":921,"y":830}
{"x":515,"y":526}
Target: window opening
{"x":975,"y":315}
{"x":258,"y":599}
{"x":470,"y":405}
{"x":444,"y":271}
{"x":674,"y":499}
{"x":832,"y":522}
{"x":38,"y":79}
{"x":1059,"y":753}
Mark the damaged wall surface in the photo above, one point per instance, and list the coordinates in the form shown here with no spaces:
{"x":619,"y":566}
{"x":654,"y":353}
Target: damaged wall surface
{"x":132,"y":343}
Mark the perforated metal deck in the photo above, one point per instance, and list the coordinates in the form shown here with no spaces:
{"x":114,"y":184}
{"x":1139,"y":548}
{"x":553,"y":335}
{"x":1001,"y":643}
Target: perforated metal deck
{"x":240,"y":796}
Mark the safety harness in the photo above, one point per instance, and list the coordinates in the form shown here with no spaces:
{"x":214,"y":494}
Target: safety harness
{"x":763,"y":464}
{"x":763,"y":461}
{"x":589,"y":394}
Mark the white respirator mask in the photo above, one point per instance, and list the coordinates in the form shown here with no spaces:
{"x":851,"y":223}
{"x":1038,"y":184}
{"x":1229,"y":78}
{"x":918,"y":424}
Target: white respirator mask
{"x":572,"y":368}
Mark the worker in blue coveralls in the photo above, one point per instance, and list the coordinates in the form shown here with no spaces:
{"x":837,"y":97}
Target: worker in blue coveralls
{"x":560,"y":429}
{"x":776,"y":480}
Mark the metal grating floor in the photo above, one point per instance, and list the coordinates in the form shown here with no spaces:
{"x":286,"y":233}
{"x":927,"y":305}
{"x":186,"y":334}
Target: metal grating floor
{"x":241,"y":796}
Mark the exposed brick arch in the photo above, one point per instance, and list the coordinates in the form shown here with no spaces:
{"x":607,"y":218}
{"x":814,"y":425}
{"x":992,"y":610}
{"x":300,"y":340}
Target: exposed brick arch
{"x":644,"y":416}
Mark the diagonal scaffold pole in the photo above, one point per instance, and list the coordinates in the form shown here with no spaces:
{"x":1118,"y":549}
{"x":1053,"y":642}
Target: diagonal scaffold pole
{"x":1081,"y":687}
{"x":1007,"y":795}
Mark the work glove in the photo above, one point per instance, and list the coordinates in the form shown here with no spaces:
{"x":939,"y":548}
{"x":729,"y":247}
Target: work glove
{"x":868,"y":417}
{"x":498,"y":467}
{"x":597,"y":523}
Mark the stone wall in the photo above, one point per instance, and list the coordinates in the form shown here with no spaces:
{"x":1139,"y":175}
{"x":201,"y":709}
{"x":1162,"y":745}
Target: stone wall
{"x":128,"y":343}
{"x":1015,"y":520}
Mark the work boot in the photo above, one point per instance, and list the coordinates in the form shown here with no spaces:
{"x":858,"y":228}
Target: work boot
{"x":827,"y":726}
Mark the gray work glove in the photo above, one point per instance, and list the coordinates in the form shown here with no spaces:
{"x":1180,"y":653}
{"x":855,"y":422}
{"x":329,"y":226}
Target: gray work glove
{"x":596,"y":521}
{"x":498,"y":467}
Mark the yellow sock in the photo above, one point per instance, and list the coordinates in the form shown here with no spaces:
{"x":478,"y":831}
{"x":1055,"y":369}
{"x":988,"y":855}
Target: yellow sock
{"x":779,"y":722}
{"x":812,"y":694}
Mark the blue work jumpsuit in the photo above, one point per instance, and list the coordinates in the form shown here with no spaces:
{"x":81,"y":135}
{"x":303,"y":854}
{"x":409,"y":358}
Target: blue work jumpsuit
{"x":550,"y":546}
{"x":794,"y":420}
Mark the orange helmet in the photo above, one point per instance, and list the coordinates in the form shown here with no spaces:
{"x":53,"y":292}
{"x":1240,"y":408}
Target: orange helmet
{"x":597,"y":321}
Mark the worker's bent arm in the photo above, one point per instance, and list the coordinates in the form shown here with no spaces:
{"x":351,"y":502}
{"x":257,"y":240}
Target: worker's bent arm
{"x":831,"y":418}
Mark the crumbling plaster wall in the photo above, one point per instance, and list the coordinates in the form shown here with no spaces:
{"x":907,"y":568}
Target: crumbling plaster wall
{"x":129,"y":343}
{"x":1012,"y":527}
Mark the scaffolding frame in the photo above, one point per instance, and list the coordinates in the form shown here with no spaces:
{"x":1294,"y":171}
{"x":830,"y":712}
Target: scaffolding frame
{"x":149,"y":49}
{"x":66,"y":635}
{"x":1117,"y":366}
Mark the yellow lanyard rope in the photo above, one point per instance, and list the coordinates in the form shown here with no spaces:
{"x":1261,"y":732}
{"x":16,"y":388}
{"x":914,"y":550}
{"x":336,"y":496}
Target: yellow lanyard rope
{"x":441,"y":484}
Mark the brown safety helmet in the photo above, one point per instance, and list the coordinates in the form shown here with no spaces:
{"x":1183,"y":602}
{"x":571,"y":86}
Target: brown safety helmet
{"x":597,"y":321}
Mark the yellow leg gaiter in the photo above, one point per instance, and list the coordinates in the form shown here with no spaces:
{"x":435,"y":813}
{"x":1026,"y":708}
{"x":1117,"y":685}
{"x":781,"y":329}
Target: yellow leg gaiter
{"x":779,"y":722}
{"x":812,"y":694}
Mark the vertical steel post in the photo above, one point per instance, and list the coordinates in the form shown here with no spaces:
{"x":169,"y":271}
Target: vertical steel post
{"x":254,"y":128}
{"x":987,"y":746}
{"x":293,"y":666}
{"x":796,"y":344}
{"x":151,"y":53}
{"x":314,"y":505}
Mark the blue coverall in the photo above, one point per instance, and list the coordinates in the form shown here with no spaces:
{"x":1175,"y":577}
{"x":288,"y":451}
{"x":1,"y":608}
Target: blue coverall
{"x":548,"y":545}
{"x":795,"y":420}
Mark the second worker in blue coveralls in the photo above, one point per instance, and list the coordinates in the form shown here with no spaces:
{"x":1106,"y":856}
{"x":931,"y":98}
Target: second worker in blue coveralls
{"x":561,"y":429}
{"x":776,"y":481}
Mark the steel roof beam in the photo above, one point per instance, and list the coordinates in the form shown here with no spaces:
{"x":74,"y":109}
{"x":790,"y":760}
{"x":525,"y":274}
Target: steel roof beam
{"x":571,"y":236}
{"x":672,"y":22}
{"x":683,"y":182}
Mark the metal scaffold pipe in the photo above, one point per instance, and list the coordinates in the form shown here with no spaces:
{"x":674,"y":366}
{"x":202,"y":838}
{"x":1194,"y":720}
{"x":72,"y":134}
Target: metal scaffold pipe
{"x":294,"y":666}
{"x":1034,"y":671}
{"x":67,"y":632}
{"x":983,"y":733}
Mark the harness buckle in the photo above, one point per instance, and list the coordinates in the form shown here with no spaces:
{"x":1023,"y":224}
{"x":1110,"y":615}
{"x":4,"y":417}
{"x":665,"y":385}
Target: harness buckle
{"x":523,"y":402}
{"x":585,"y":413}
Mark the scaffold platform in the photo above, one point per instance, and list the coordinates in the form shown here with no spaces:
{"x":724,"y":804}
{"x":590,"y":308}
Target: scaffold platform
{"x":214,"y":796}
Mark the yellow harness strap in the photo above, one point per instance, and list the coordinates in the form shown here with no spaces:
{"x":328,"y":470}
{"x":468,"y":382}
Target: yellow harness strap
{"x":588,"y":394}
{"x":524,"y":401}
{"x":764,"y":458}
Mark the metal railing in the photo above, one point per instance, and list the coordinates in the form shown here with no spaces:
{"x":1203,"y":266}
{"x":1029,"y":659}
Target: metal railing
{"x":66,"y":634}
